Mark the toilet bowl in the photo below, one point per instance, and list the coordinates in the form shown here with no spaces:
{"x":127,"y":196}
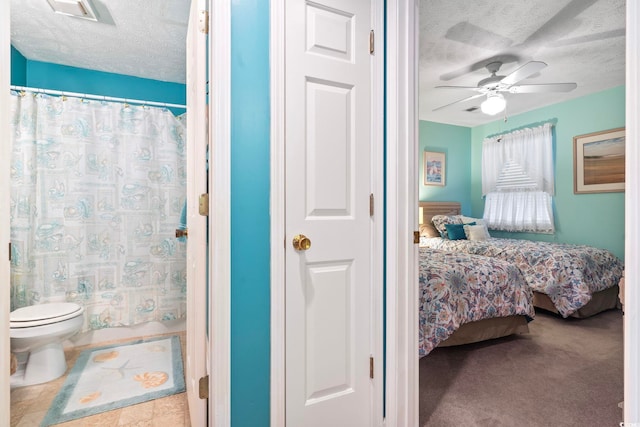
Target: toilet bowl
{"x":37,"y":333}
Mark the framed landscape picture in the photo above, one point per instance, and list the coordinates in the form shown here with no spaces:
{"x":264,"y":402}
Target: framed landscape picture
{"x":434,"y":168}
{"x":598,"y":162}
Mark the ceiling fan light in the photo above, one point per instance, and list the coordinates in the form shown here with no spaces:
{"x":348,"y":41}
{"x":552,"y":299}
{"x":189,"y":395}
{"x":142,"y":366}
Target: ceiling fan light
{"x":494,"y":104}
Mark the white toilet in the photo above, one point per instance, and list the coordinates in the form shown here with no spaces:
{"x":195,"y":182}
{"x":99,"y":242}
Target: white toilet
{"x":37,"y":333}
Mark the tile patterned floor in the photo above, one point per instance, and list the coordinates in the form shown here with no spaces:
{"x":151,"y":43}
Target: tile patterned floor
{"x":30,"y":404}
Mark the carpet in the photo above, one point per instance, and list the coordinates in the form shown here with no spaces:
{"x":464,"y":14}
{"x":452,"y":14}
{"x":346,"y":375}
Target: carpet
{"x":564,"y":373}
{"x":115,"y":376}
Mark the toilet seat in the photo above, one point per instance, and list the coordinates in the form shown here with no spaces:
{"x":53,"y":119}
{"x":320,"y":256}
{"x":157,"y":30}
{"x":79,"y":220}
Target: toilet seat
{"x":43,"y":314}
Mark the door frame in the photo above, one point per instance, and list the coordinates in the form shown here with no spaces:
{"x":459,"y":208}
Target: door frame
{"x":632,"y":212}
{"x":196,"y":354}
{"x":402,"y":213}
{"x":219,"y":213}
{"x":5,"y":196}
{"x":277,"y":207}
{"x":401,"y":119}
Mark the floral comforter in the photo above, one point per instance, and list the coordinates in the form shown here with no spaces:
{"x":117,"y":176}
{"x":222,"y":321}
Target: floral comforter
{"x":457,"y":288}
{"x":568,"y":274}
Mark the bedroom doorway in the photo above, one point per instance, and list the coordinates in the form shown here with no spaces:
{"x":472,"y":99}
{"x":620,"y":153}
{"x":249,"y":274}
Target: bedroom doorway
{"x":629,"y":125}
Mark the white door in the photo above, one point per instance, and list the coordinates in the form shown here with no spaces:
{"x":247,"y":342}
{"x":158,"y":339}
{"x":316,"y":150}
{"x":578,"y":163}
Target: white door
{"x":195,"y":360}
{"x":328,"y":185}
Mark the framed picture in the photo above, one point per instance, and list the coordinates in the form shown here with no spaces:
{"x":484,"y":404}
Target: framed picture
{"x":598,"y":162}
{"x":434,"y":168}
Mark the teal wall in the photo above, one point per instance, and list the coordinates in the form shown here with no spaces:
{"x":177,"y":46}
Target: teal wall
{"x":455,"y":142}
{"x":18,"y":68}
{"x":250,"y":220}
{"x":46,"y":75}
{"x":591,"y":219}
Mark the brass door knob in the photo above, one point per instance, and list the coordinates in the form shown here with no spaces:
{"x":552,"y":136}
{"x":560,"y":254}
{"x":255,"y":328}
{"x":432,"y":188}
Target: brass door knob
{"x":301,"y":242}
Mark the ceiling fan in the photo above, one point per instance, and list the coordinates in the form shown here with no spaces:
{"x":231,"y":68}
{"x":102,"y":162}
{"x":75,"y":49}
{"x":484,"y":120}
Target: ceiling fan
{"x":492,"y":86}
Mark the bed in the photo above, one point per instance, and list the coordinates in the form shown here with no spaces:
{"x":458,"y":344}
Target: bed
{"x":468,"y":298}
{"x":571,"y":280}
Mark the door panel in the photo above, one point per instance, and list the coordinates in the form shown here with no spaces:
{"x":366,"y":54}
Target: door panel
{"x":329,"y":331}
{"x":330,"y":32}
{"x":328,"y":183}
{"x":330,"y":155}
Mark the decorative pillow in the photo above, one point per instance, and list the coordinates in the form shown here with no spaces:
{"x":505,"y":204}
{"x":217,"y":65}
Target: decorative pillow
{"x":428,"y":230}
{"x":469,"y":220}
{"x":439,"y":222}
{"x":476,"y":232}
{"x":456,"y":231}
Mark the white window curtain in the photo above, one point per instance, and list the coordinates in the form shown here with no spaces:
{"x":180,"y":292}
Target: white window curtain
{"x":519,"y":211}
{"x":517,"y":180}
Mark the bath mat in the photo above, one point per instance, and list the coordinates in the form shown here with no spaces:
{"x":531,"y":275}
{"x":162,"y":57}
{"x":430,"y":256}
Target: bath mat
{"x":116,"y":376}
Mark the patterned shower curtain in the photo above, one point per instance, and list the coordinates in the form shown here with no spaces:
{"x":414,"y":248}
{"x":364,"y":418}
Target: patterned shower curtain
{"x":96,"y":194}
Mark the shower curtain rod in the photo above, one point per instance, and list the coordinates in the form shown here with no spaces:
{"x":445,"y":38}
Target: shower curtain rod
{"x":96,"y":97}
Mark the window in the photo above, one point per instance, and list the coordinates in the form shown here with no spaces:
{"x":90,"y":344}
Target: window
{"x":517,"y":180}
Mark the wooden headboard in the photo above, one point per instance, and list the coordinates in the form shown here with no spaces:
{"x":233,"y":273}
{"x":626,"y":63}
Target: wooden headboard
{"x":430,"y":209}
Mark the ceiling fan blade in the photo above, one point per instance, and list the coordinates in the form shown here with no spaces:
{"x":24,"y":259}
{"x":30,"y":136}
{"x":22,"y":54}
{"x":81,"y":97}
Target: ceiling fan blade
{"x":476,"y":88}
{"x":561,"y":24}
{"x":466,"y":32}
{"x":620,"y":32}
{"x":523,"y":72}
{"x":543,"y":88}
{"x":460,"y":100}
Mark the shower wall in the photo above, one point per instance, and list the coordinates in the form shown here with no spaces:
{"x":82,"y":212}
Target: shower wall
{"x":18,"y":68}
{"x":25,"y":72}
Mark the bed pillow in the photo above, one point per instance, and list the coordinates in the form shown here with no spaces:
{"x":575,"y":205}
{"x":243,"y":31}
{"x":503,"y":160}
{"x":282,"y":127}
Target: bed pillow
{"x":456,"y":231}
{"x":469,"y":220}
{"x":476,"y":232}
{"x":428,"y":230}
{"x":440,"y":222}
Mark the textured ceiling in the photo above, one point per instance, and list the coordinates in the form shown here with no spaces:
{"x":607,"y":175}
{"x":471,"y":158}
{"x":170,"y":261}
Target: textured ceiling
{"x":139,"y":38}
{"x":581,"y":41}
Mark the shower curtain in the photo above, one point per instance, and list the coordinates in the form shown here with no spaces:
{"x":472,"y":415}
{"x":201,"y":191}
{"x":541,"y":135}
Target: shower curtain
{"x":96,"y":194}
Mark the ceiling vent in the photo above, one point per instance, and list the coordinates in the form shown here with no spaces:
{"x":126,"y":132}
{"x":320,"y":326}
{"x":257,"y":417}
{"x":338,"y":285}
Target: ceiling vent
{"x":76,"y":8}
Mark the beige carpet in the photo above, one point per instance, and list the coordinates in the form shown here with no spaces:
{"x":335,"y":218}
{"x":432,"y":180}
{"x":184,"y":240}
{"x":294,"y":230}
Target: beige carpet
{"x":565,"y":372}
